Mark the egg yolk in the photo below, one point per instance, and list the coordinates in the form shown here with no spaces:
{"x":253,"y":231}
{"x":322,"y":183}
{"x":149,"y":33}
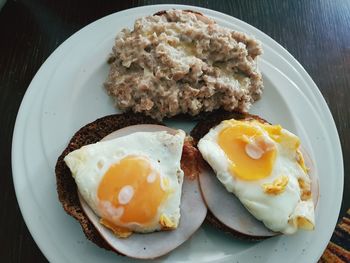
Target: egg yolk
{"x":133,"y":189}
{"x":234,"y":140}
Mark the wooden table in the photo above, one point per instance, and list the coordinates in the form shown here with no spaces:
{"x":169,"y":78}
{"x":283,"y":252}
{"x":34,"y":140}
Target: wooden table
{"x":316,"y":33}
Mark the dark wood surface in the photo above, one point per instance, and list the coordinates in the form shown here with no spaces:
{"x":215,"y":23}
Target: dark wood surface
{"x":316,"y":33}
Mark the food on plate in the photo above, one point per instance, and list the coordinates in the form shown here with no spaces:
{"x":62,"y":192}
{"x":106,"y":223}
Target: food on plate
{"x":263,"y":166}
{"x":132,"y":182}
{"x":140,"y":188}
{"x":179,"y":61}
{"x":129,"y":180}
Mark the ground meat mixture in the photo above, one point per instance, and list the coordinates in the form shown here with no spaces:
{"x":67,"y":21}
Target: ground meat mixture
{"x":182,"y":62}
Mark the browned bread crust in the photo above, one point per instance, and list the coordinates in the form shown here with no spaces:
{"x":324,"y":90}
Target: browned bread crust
{"x":210,"y":120}
{"x":207,"y":122}
{"x":66,"y":187}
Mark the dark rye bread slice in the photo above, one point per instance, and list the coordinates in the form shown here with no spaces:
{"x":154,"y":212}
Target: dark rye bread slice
{"x":208,"y":121}
{"x":66,"y":187}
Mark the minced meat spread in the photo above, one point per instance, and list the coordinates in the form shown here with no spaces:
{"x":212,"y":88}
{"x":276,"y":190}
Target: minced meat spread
{"x":183,"y":62}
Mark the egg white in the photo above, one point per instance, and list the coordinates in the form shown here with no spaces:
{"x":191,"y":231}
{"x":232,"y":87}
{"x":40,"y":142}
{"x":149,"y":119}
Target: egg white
{"x":163,"y":150}
{"x":278,"y":212}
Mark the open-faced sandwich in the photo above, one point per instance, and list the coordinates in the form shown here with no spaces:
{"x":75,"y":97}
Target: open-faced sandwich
{"x":265,"y":168}
{"x":122,"y":176}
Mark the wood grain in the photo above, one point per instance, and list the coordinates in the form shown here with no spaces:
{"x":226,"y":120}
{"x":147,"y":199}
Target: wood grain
{"x":316,"y":33}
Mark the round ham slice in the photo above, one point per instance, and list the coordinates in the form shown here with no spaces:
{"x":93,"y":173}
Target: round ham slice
{"x":229,"y":214}
{"x":153,"y":245}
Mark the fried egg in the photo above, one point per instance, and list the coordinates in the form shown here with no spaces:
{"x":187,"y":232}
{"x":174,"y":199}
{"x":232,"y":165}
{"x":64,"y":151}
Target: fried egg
{"x":133,"y":183}
{"x":263,"y":166}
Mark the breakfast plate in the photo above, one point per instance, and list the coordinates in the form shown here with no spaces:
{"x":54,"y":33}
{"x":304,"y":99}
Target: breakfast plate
{"x":67,"y":93}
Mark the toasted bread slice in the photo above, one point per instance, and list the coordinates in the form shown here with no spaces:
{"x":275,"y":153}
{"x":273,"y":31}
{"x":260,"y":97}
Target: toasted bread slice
{"x":207,"y":122}
{"x":210,"y":120}
{"x":66,"y":187}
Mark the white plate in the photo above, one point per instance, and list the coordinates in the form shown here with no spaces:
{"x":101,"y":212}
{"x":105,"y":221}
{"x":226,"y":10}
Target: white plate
{"x":67,"y":93}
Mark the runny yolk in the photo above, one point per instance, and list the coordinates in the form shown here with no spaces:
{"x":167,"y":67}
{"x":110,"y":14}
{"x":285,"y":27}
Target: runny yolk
{"x":234,"y":139}
{"x":134,"y":188}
